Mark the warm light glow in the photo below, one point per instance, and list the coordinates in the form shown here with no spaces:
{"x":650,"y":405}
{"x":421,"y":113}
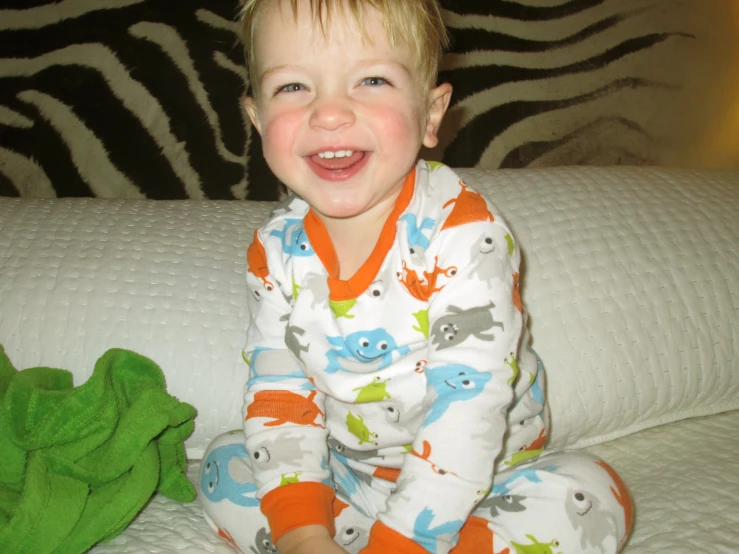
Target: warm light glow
{"x":719,"y":146}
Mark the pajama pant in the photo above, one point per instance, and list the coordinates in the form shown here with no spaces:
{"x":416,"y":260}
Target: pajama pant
{"x":560,"y":502}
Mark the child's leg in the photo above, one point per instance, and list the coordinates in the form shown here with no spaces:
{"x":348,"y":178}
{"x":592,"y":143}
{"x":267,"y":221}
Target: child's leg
{"x":227,"y":494}
{"x":354,"y":510}
{"x":561,"y":502}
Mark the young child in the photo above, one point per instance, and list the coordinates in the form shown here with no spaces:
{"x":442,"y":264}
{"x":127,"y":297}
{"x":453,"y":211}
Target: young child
{"x":393,"y":402}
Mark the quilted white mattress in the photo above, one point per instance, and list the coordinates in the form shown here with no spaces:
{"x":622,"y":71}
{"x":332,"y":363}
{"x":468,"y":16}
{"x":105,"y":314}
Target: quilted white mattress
{"x":682,"y":476}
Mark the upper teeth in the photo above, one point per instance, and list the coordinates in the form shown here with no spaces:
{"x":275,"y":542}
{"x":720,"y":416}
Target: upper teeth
{"x":337,"y":154}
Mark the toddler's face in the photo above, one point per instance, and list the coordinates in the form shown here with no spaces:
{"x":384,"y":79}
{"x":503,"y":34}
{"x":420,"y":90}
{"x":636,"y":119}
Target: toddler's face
{"x":341,"y":121}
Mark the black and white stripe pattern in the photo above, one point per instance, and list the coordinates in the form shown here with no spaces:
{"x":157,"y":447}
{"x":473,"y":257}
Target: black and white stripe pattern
{"x":141,"y":98}
{"x":122,"y":98}
{"x":548,"y":83}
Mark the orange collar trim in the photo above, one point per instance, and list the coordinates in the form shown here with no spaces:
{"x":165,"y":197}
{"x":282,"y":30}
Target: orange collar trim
{"x":321,"y":242}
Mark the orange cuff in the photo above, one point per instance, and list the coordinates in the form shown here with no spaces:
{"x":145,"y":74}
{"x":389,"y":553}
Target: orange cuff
{"x":382,"y":540}
{"x":297,"y":505}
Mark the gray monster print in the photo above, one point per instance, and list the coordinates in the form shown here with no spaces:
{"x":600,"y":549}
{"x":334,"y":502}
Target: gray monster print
{"x":364,"y":477}
{"x":263,"y":544}
{"x":455,"y":328}
{"x":505,"y":503}
{"x":487,"y":272}
{"x":352,"y":537}
{"x":596,"y":524}
{"x":347,"y":452}
{"x":292,"y":332}
{"x":282,"y":450}
{"x":317,"y":286}
{"x":392,"y":414}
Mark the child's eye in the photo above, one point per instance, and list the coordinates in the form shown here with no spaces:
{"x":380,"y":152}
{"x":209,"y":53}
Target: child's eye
{"x":292,"y":87}
{"x":375,"y":81}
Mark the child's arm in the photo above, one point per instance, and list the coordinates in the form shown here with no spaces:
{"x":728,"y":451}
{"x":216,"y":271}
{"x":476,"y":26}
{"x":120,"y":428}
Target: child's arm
{"x":283,"y":412}
{"x":476,"y":324}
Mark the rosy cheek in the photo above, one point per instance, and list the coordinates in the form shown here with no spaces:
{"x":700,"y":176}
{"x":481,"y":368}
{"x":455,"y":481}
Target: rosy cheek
{"x":397,"y":127}
{"x":279,"y":133}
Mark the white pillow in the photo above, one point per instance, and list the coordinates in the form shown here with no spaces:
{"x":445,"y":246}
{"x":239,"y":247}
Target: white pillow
{"x":165,"y":279}
{"x":630,"y":279}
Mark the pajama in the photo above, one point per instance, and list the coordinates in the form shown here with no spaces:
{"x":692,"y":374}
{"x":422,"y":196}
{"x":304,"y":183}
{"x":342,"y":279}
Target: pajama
{"x":567,"y":502}
{"x":388,"y":402}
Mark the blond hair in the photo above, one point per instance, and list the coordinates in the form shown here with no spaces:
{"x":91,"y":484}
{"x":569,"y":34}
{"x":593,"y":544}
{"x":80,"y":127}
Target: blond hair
{"x":415,"y":23}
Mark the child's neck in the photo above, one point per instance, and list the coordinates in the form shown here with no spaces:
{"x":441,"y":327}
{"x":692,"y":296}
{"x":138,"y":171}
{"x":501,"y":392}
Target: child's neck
{"x":354,"y":240}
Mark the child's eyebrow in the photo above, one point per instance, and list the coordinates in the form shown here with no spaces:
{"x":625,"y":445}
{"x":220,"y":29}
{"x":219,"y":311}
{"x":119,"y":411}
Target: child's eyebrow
{"x":370,"y":63}
{"x":276,"y":69}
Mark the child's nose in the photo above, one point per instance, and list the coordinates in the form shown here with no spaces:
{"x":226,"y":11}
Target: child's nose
{"x":331,"y":114}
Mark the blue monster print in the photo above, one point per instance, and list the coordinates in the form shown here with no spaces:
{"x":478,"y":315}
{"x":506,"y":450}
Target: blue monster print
{"x":217,"y":483}
{"x":424,"y":535}
{"x":365,"y":346}
{"x":297,"y":243}
{"x":536,"y":392}
{"x":415,"y":231}
{"x":325,"y":466}
{"x":452,"y":383}
{"x":345,"y":480}
{"x":503,"y":488}
{"x":257,"y":378}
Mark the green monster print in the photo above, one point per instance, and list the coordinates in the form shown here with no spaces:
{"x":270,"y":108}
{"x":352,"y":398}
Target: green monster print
{"x":341,"y":308}
{"x":422,"y":317}
{"x":356,"y":427}
{"x":484,"y":493}
{"x":521,"y":456}
{"x":536,"y":548}
{"x":511,"y":245}
{"x":435,"y":165}
{"x":290,"y":478}
{"x":372,"y":392}
{"x":296,"y":289}
{"x":511,"y":361}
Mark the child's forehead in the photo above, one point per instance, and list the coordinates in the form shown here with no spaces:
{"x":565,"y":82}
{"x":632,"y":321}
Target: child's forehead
{"x":343,"y":30}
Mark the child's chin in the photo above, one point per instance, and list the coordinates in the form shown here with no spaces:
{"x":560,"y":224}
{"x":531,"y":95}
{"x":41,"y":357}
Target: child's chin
{"x":344,"y":212}
{"x":351,"y":205}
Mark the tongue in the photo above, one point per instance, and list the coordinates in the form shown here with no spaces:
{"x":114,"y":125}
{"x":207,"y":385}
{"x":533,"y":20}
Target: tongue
{"x":337,"y":164}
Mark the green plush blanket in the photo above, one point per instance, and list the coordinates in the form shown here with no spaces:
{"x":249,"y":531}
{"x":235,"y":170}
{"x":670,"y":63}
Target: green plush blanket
{"x":78,"y":463}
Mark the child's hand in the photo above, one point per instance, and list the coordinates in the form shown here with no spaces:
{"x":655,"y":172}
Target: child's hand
{"x":311,"y":539}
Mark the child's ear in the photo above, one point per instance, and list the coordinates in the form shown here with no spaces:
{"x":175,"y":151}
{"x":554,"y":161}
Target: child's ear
{"x":253,"y":112}
{"x":439,"y":99}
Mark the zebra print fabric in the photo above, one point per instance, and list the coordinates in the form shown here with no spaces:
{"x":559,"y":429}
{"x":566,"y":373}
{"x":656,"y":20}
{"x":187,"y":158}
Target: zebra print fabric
{"x":141,"y":98}
{"x":121,"y":98}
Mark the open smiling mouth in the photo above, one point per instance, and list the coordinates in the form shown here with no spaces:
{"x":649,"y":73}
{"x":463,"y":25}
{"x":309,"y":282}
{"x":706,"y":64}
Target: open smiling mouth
{"x":586,"y":511}
{"x":338,"y":160}
{"x":337,"y":165}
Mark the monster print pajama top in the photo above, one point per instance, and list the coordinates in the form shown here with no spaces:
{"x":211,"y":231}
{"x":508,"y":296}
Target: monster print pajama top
{"x":415,"y":373}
